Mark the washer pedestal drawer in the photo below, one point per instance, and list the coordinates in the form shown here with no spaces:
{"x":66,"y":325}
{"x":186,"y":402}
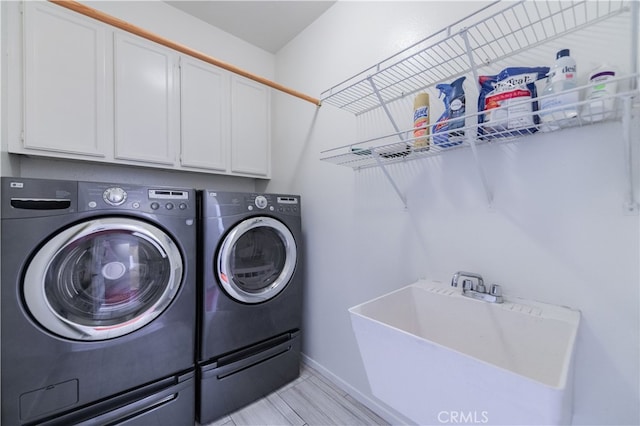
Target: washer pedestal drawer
{"x":167,"y":402}
{"x":240,"y":378}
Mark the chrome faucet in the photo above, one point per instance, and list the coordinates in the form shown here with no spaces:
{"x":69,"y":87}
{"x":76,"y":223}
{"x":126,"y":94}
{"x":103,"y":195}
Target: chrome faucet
{"x":479,"y":290}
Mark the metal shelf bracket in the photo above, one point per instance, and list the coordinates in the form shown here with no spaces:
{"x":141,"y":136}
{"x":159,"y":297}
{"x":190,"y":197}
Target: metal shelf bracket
{"x":385,"y":108}
{"x":483,"y":176}
{"x":470,"y":138}
{"x":390,"y":179}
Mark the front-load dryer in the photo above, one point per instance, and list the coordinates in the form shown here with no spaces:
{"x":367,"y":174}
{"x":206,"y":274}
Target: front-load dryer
{"x":250,"y":298}
{"x":98,"y":298}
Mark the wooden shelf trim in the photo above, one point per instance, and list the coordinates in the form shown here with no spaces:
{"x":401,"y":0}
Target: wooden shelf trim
{"x":133,"y":29}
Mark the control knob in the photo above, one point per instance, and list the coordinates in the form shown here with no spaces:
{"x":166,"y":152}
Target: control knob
{"x":114,"y":196}
{"x":261,"y":202}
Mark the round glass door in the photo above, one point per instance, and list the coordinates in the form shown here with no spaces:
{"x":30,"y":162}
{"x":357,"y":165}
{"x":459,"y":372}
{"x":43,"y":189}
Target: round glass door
{"x":257,"y":259}
{"x":103,"y":278}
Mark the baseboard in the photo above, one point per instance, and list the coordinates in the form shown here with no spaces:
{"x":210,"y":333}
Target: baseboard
{"x":386,"y":413}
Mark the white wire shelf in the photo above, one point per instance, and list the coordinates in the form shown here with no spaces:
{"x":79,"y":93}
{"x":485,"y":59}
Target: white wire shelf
{"x":399,"y":146}
{"x":493,"y":33}
{"x":500,"y":35}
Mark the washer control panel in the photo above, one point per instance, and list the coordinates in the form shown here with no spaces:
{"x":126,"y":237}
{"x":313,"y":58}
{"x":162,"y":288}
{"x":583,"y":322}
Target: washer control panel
{"x":167,"y":201}
{"x":288,"y":204}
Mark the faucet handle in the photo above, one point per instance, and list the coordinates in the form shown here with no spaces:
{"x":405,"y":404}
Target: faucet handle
{"x":496,"y":290}
{"x":454,"y":279}
{"x":467,"y":285}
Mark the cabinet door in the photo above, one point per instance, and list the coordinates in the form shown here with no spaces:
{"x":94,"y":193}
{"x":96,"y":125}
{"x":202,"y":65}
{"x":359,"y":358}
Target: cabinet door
{"x":64,"y":81}
{"x":204,"y":109}
{"x":146,"y":109}
{"x":250,"y":127}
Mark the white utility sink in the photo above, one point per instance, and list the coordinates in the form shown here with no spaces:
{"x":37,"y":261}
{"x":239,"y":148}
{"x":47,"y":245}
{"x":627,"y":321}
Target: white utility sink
{"x":439,"y":357}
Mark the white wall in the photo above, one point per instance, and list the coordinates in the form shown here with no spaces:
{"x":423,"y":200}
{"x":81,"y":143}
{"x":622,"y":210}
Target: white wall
{"x":166,"y":21}
{"x":7,"y":166}
{"x":556,"y":231}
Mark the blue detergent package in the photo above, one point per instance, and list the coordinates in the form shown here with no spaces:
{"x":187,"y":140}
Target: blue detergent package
{"x":506,"y":104}
{"x":444,"y":130}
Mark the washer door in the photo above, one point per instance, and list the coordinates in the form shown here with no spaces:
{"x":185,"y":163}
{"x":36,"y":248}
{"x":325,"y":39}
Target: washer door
{"x":103,"y":278}
{"x":257,"y":259}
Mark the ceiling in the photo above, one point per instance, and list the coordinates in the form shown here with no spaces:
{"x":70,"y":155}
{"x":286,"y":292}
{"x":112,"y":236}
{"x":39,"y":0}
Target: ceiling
{"x":266,"y":24}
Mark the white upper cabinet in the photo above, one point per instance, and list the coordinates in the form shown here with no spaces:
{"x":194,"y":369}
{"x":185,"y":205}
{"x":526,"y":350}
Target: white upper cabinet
{"x":93,"y":92}
{"x":250,"y":127}
{"x":64,"y":82}
{"x":204,"y":100}
{"x":146,"y":103}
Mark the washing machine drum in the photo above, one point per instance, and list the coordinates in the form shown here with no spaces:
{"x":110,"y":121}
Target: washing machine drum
{"x":102,"y":278}
{"x":257,"y":259}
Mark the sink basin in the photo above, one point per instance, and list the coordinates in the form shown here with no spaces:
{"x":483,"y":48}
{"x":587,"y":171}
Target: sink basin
{"x":439,"y":357}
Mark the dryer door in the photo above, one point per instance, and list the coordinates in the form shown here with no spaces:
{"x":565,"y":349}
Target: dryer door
{"x":257,"y":259}
{"x":102,"y":278}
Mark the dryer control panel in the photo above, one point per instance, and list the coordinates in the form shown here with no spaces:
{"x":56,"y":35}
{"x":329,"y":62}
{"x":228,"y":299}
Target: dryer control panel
{"x":158,"y":200}
{"x":273,"y":203}
{"x":221,"y":203}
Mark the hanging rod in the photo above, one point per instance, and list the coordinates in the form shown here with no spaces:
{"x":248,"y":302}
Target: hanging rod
{"x":123,"y":25}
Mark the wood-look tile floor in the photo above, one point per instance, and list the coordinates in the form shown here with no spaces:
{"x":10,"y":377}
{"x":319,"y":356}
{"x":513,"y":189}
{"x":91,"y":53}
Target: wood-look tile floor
{"x":310,"y":400}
